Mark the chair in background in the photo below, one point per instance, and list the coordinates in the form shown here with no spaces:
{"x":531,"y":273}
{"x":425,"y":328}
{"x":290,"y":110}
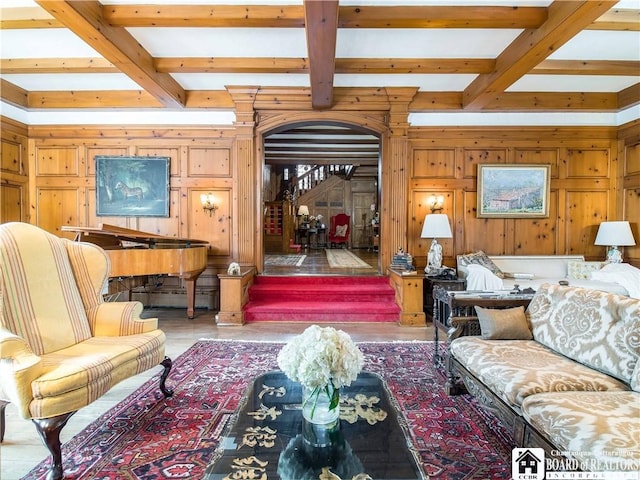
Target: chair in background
{"x":61,"y":345}
{"x":295,"y":247}
{"x":340,"y":228}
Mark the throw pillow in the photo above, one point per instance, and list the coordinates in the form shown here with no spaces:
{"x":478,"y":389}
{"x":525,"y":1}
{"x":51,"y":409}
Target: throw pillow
{"x":341,"y":230}
{"x":480,"y":258}
{"x":503,"y":324}
{"x":583,"y":270}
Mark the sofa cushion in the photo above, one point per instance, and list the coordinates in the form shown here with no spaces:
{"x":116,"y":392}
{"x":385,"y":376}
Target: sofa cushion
{"x":515,"y":369}
{"x":480,"y":258}
{"x":603,"y":428}
{"x":503,"y":324}
{"x":597,"y":329}
{"x":80,"y":374}
{"x":582,"y":270}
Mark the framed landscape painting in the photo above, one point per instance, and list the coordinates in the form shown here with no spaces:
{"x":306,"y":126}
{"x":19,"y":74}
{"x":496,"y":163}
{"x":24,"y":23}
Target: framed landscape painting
{"x":513,"y":191}
{"x":132,"y":186}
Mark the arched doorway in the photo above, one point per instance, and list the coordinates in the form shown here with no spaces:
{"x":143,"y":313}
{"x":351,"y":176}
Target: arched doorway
{"x":335,"y":166}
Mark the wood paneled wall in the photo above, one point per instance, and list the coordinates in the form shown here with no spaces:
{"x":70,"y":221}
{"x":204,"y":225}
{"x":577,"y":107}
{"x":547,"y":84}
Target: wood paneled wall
{"x":48,"y":179}
{"x":590,"y":169}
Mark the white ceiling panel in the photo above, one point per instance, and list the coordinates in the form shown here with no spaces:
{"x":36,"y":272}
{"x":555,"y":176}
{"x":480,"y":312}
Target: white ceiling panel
{"x":422,"y":43}
{"x":222,"y":42}
{"x":218,"y":81}
{"x":73,"y":81}
{"x":600,"y":45}
{"x":43,"y":43}
{"x":438,"y":83}
{"x":571,"y":83}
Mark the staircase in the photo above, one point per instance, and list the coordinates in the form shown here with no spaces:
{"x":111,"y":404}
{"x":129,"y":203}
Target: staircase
{"x":318,"y":299}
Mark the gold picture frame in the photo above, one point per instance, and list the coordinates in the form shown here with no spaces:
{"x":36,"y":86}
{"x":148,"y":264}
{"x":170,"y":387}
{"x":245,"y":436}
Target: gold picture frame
{"x":513,"y":191}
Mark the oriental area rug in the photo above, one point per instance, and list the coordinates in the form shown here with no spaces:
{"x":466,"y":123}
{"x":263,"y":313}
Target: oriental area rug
{"x":341,"y":258}
{"x":147,"y":437}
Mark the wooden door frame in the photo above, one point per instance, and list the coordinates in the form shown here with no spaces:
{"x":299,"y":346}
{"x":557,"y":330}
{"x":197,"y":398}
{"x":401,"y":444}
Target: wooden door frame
{"x":268,"y":123}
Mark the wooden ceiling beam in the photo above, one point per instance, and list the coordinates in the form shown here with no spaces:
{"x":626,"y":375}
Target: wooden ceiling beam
{"x":26,"y":17}
{"x":300,"y":65}
{"x":93,"y":99}
{"x":565,"y":20}
{"x":321,"y":26}
{"x":629,"y":97}
{"x":13,"y":95}
{"x":254,"y":16}
{"x":117,"y":46}
{"x":56,"y":65}
{"x":588,"y":67}
{"x":292,"y":16}
{"x":621,"y":19}
{"x":441,"y":17}
{"x":554,"y":102}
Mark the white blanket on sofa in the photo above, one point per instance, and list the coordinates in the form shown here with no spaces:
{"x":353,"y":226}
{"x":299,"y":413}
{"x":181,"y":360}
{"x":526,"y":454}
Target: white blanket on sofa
{"x":481,"y":278}
{"x":621,"y":273}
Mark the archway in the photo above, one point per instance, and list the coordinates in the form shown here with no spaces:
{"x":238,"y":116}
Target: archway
{"x":332,"y":140}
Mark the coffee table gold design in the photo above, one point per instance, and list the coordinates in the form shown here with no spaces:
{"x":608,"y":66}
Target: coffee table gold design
{"x":361,"y":406}
{"x":268,"y":438}
{"x":262,"y":436}
{"x":267,"y":390}
{"x":265,"y":412}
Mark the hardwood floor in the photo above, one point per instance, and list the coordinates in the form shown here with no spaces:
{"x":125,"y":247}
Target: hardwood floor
{"x":22,"y":448}
{"x":316,"y":263}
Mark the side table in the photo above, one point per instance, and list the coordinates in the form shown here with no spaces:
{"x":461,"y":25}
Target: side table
{"x":430,"y":281}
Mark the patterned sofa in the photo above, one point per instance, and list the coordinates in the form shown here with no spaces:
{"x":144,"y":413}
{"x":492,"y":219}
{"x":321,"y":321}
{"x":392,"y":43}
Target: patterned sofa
{"x":564,"y":375}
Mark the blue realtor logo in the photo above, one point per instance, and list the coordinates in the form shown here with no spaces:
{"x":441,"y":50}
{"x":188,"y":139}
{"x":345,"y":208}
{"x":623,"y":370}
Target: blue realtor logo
{"x":527,"y":464}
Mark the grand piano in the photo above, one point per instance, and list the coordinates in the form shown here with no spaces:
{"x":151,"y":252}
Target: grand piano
{"x":135,"y":254}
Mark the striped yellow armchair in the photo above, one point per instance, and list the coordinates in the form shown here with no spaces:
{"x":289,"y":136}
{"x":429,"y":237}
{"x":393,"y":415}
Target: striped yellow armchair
{"x":61,"y":346}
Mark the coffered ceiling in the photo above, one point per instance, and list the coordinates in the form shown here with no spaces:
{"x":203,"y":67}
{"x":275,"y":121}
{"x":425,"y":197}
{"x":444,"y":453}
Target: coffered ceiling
{"x":68,"y":57}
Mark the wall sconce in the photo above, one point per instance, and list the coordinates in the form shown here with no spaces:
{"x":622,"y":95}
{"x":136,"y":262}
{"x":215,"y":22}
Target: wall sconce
{"x":435,"y":203}
{"x":208,"y":203}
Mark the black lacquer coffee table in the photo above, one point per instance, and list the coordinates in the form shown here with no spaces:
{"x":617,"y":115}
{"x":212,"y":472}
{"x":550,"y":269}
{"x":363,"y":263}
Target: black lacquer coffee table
{"x":269,"y":439}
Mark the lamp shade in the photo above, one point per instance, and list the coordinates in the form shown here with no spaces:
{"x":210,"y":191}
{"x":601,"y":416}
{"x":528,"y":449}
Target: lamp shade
{"x":436,"y":225}
{"x":303,"y":210}
{"x":615,"y":234}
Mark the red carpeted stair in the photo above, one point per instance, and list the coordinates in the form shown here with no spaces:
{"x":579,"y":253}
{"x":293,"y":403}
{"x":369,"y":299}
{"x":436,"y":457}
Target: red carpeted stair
{"x":321,"y":299}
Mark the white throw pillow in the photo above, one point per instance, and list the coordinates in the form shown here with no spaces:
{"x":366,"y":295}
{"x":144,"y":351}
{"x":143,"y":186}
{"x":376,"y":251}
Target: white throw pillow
{"x":341,"y":230}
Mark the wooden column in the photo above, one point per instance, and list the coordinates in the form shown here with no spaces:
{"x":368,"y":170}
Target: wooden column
{"x":395,"y":175}
{"x":245,"y":215}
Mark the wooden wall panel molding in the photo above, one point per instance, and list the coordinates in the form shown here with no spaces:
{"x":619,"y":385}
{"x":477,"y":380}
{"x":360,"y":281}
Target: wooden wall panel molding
{"x":11,"y":156}
{"x":586,"y":209}
{"x":473,"y":156}
{"x":158,"y":151}
{"x":56,"y":207}
{"x":130,"y":134}
{"x":588,"y":163}
{"x":209,"y":162}
{"x":418,"y":247}
{"x":215,"y":227}
{"x":434,"y":163}
{"x":539,"y":235}
{"x":94,"y":151}
{"x":58,"y":161}
{"x":11,"y":201}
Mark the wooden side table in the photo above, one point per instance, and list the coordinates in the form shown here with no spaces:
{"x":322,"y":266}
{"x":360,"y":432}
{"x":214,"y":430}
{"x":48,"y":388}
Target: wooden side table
{"x":430,"y":282}
{"x":454,"y":312}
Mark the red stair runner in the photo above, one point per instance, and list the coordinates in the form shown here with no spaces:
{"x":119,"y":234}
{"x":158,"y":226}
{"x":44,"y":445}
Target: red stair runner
{"x":321,"y":299}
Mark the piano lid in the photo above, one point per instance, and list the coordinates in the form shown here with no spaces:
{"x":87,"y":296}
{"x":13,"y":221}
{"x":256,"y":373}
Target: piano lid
{"x":112,"y":235}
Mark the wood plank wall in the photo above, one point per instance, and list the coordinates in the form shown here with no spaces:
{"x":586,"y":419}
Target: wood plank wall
{"x":48,"y":179}
{"x":594,"y":178}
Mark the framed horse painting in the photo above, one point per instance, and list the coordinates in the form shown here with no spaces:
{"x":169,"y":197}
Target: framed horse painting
{"x":132,"y":186}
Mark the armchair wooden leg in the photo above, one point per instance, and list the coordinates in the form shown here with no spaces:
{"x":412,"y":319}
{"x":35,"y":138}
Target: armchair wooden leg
{"x":49,"y":430}
{"x":3,"y":405}
{"x":167,"y":364}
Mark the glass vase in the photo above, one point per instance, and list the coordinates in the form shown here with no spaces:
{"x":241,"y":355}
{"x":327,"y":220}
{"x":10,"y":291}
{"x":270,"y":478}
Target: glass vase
{"x":316,"y":405}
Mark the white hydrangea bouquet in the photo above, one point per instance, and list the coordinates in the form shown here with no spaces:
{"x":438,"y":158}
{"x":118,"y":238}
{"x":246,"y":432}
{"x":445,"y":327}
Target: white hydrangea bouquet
{"x":322,"y":359}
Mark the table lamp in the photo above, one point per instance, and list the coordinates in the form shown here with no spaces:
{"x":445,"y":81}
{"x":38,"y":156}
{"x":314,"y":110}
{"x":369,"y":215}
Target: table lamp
{"x":614,"y":235}
{"x":436,"y":225}
{"x":303,"y":211}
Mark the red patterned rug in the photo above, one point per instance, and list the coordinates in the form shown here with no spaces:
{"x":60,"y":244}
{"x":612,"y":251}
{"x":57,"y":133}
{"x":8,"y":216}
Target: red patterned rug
{"x":146,"y":437}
